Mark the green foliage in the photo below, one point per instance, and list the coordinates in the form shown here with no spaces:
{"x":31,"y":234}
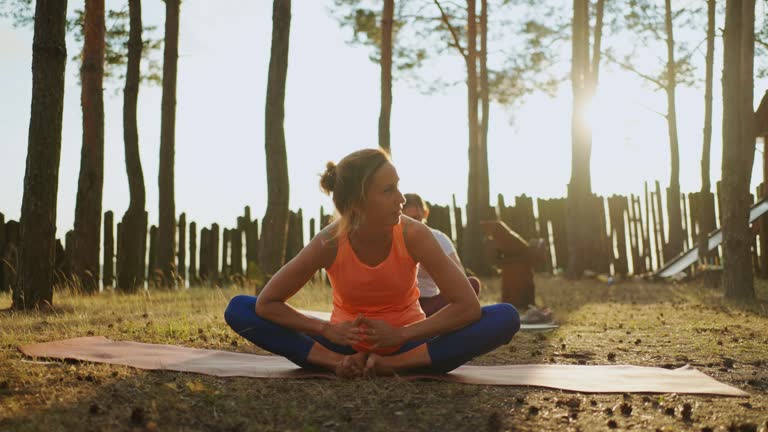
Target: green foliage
{"x":524,"y":39}
{"x":761,"y":45}
{"x":116,"y":47}
{"x":20,"y":12}
{"x":364,"y":18}
{"x":644,"y":23}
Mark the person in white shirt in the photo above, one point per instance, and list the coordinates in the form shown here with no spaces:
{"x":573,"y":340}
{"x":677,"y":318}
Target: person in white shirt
{"x":430,"y":298}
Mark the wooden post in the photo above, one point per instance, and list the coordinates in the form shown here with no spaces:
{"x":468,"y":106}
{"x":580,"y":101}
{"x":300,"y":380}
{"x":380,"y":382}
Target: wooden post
{"x":300,"y":220}
{"x":658,"y":238}
{"x":144,"y":233}
{"x":459,"y":226}
{"x":214,"y":256}
{"x":617,"y":206}
{"x":11,"y":256}
{"x":205,"y":250}
{"x":252,"y":248}
{"x":119,"y":253}
{"x":633,"y":240}
{"x":290,"y":237}
{"x":693,"y":219}
{"x":311,"y":228}
{"x":236,"y":258}
{"x":662,"y":240}
{"x":225,"y":267}
{"x":69,"y":241}
{"x":559,"y":230}
{"x":181,"y":266}
{"x":684,"y":220}
{"x":193,"y":253}
{"x":604,"y":252}
{"x":109,"y":250}
{"x":151,"y":277}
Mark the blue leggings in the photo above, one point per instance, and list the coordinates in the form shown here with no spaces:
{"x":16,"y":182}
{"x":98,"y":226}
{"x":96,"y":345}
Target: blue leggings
{"x":496,"y":327}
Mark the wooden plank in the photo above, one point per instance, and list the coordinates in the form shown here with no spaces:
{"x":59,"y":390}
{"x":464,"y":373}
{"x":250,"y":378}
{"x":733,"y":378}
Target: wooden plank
{"x":108,"y":276}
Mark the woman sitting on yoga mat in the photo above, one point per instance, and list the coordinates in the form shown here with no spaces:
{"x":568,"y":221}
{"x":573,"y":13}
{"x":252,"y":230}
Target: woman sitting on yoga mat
{"x":370,"y":254}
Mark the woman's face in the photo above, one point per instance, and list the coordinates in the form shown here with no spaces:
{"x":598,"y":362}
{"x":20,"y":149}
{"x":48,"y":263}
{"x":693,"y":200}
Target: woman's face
{"x":384,"y":202}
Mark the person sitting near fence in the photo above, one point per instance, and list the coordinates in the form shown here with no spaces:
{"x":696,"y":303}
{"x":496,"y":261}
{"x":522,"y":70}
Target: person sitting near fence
{"x":430,"y":298}
{"x":370,"y":253}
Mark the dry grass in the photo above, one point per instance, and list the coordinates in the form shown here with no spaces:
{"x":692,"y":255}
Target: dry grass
{"x":632,"y":322}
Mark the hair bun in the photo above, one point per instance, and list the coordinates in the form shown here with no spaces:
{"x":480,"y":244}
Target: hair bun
{"x":328,"y":179}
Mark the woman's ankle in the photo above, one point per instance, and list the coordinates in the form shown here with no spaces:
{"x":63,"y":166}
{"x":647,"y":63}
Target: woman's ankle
{"x":323,"y":357}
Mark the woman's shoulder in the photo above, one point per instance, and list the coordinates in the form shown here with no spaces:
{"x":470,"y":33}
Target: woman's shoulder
{"x":328,"y":243}
{"x":329,"y":234}
{"x":414,"y":233}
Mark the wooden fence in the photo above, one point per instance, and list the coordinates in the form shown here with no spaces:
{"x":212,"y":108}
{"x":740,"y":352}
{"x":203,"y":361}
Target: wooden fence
{"x":630,"y":238}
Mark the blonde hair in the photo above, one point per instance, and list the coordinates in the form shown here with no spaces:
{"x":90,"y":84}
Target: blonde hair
{"x":347,"y":182}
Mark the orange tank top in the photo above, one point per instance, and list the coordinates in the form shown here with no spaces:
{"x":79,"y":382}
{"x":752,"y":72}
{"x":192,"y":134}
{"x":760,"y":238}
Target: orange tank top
{"x":385,"y":292}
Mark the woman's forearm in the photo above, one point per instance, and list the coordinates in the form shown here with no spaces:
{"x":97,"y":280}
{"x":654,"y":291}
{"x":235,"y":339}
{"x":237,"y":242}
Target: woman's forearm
{"x":453,"y":316}
{"x":281,"y":313}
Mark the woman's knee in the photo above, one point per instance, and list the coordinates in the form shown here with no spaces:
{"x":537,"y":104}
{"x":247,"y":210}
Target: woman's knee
{"x":507,"y":319}
{"x":240,"y":310}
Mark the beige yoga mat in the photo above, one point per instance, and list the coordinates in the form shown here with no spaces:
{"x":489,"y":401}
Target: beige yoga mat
{"x":586,"y":379}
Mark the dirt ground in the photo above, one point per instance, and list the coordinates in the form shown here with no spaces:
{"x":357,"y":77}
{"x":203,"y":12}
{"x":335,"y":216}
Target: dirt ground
{"x":632,"y":322}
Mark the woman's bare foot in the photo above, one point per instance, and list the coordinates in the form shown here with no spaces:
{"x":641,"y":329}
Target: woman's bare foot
{"x":377,"y":365}
{"x":351,"y":366}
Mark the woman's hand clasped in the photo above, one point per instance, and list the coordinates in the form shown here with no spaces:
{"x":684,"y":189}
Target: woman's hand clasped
{"x":381,"y":334}
{"x":344,"y":333}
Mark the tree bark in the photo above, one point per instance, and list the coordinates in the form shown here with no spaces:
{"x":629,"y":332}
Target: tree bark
{"x":738,"y":151}
{"x":579,"y":188}
{"x":130,"y":273}
{"x":706,"y":216}
{"x":34,"y":287}
{"x":484,"y":188}
{"x":473,"y":240}
{"x":675,"y":242}
{"x":275,"y":222}
{"x":85,"y":258}
{"x":167,"y":221}
{"x":387,"y":19}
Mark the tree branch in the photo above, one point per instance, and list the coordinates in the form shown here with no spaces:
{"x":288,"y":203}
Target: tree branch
{"x":631,"y":68}
{"x":457,"y":43}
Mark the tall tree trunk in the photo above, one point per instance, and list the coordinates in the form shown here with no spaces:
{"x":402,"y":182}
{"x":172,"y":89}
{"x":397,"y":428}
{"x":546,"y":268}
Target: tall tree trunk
{"x":85,"y":257}
{"x":738,"y":147}
{"x":706,"y":212}
{"x":387,"y":20}
{"x":579,"y":188}
{"x":34,"y":287}
{"x":166,"y":235}
{"x":592,"y":243}
{"x":597,"y":49}
{"x":134,"y":229}
{"x":274,"y":226}
{"x":485,"y":104}
{"x":675,"y":243}
{"x":475,"y":206}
